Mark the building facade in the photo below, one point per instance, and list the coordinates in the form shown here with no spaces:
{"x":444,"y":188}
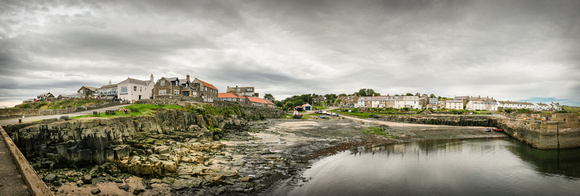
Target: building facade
{"x":243,"y":91}
{"x":133,"y":89}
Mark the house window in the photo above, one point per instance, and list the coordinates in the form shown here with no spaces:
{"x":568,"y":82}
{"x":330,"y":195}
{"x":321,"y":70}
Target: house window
{"x":124,"y":90}
{"x":176,"y":92}
{"x":162,"y":82}
{"x":249,"y":89}
{"x":162,"y":92}
{"x":140,"y":89}
{"x":134,"y":88}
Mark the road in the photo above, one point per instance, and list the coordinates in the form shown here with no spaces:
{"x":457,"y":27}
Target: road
{"x":35,"y":118}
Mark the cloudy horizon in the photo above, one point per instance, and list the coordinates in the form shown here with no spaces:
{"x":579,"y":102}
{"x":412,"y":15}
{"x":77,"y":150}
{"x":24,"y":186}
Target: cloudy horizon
{"x":509,"y":50}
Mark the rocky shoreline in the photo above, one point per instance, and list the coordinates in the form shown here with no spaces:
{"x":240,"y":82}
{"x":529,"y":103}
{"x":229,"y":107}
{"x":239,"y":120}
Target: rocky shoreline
{"x":265,"y":158}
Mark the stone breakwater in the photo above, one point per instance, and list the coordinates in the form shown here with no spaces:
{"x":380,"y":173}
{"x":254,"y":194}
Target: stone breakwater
{"x":560,"y":132}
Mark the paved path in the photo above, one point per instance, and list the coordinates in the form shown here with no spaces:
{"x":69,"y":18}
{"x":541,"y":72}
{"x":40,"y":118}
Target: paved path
{"x":11,"y":182}
{"x":35,"y":118}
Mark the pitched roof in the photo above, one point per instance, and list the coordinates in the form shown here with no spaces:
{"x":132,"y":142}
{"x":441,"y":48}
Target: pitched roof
{"x":170,"y":79}
{"x":207,"y":84}
{"x":136,"y":81}
{"x":109,"y":86}
{"x":256,"y":100}
{"x":229,"y":95}
{"x":90,"y":88}
{"x":268,"y":102}
{"x":515,"y":102}
{"x":454,"y":101}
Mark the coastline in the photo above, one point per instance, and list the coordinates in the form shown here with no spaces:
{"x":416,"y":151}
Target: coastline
{"x":272,"y":154}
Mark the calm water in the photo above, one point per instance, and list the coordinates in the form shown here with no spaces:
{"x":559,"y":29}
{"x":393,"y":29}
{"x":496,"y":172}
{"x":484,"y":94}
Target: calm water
{"x":464,"y":167}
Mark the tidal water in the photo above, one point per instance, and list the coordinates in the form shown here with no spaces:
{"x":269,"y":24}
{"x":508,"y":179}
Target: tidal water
{"x":462,"y":167}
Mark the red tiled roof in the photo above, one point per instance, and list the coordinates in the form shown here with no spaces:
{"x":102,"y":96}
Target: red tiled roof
{"x":208,"y":85}
{"x":268,"y":101}
{"x":256,"y":100}
{"x":229,"y":95}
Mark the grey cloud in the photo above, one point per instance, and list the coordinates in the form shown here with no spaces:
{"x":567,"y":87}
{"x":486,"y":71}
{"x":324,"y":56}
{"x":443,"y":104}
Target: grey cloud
{"x":498,"y":48}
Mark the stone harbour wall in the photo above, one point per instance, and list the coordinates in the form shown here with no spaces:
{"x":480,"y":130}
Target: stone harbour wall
{"x":560,"y":132}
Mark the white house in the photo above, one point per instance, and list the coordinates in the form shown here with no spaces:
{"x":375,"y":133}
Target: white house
{"x":133,"y":89}
{"x":379,"y":101}
{"x":516,"y":105}
{"x":364,"y":102}
{"x":491,"y":105}
{"x":479,"y":103}
{"x":556,"y":106}
{"x":475,"y":104}
{"x":454,"y":104}
{"x":543,"y":107}
{"x":407,"y":102}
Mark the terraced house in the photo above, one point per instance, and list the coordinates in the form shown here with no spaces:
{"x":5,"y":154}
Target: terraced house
{"x":170,"y":87}
{"x":205,"y":90}
{"x":167,"y":87}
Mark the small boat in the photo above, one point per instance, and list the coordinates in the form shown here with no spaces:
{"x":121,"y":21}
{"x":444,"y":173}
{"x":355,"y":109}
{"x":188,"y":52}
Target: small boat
{"x":497,"y":130}
{"x":297,"y":115}
{"x":488,"y":130}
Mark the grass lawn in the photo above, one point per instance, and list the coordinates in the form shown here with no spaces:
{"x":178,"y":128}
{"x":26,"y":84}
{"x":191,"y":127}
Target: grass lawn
{"x":572,"y":109}
{"x":143,"y":110}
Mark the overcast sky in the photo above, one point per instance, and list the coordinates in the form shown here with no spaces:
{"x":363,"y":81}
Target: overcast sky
{"x":508,"y":49}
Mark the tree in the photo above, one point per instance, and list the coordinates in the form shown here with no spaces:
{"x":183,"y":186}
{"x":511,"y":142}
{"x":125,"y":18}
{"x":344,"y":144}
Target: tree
{"x":342,"y":95}
{"x":409,"y":94}
{"x":363,"y":92}
{"x":269,"y":97}
{"x":432,"y":95}
{"x":330,"y":98}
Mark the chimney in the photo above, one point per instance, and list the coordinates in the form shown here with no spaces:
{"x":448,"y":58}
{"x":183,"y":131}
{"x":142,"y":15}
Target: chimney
{"x":187,"y":78}
{"x":151,"y":77}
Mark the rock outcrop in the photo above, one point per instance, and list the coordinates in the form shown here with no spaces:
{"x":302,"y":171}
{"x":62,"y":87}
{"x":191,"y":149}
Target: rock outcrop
{"x":96,"y":141}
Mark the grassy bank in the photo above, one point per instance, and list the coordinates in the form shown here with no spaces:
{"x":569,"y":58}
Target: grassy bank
{"x":54,"y":105}
{"x":135,"y":110}
{"x":572,"y":109}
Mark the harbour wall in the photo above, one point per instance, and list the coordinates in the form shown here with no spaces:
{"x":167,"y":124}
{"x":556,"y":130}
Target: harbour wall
{"x":561,"y":131}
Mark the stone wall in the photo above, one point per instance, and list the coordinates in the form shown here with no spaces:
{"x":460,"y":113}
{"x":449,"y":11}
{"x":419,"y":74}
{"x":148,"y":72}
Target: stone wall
{"x":171,"y":100}
{"x":543,"y":134}
{"x":561,"y":131}
{"x":455,"y":120}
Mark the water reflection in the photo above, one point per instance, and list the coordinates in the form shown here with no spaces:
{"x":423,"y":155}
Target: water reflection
{"x":550,"y":162}
{"x":456,"y":167}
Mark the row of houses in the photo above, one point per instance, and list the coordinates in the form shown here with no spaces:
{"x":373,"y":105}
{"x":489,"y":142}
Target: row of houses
{"x":235,"y":96}
{"x":131,"y":90}
{"x":458,"y":102}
